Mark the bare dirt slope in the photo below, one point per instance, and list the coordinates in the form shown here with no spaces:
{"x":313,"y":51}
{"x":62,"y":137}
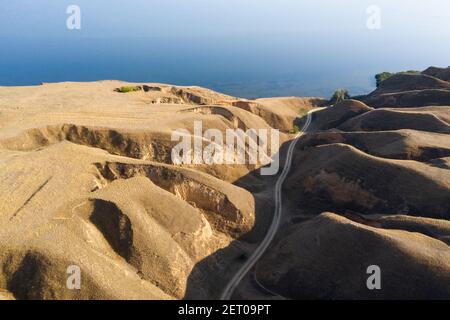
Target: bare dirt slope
{"x":87,"y":179}
{"x":282,"y":112}
{"x":369,"y":187}
{"x":440,"y":73}
{"x":327,"y":257}
{"x":429,"y":88}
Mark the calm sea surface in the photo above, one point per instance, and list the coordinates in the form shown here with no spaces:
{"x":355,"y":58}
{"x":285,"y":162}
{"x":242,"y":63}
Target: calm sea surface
{"x":278,"y":65}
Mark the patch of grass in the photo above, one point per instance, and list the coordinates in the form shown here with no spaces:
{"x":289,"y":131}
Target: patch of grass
{"x":380,"y":77}
{"x":127,"y":89}
{"x":300,"y":121}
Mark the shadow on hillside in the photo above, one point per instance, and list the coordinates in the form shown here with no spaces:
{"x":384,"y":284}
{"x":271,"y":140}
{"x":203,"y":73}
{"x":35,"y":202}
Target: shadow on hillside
{"x":210,"y":276}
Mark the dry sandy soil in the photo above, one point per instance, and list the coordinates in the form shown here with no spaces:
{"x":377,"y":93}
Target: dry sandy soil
{"x":87,"y":179}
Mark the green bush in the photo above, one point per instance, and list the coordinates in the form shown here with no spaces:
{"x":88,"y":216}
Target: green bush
{"x":339,"y":95}
{"x":127,"y":89}
{"x":295,"y":129}
{"x":380,"y":77}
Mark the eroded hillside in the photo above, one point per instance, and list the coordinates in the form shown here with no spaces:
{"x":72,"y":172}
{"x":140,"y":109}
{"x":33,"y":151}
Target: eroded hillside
{"x":87,"y":179}
{"x":369,"y":186}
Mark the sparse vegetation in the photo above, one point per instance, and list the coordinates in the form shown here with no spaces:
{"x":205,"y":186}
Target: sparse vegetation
{"x":353,"y":160}
{"x":300,"y":121}
{"x":380,"y":77}
{"x":127,"y":89}
{"x":339,"y":95}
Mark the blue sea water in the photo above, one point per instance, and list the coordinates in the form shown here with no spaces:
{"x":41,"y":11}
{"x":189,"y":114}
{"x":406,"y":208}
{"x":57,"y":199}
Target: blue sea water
{"x":269,"y":50}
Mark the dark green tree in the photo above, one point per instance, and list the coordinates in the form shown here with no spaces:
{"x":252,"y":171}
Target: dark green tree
{"x":339,"y":95}
{"x":380,"y":77}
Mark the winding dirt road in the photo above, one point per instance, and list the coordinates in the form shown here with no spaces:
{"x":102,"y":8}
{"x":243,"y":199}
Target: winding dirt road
{"x":253,"y":259}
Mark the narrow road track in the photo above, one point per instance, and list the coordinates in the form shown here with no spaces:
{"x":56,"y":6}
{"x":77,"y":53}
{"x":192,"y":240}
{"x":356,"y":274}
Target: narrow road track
{"x":256,"y":255}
